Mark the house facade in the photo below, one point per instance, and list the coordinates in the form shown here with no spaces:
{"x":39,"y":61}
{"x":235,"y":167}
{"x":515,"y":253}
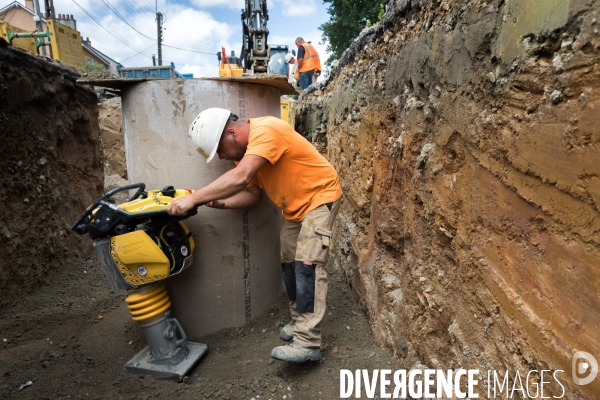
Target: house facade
{"x":23,"y":18}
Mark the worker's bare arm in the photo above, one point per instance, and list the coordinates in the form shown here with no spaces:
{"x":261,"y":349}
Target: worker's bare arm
{"x":227,"y":185}
{"x":248,"y":197}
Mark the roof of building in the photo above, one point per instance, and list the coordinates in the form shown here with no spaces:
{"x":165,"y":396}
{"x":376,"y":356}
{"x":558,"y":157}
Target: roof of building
{"x":106,"y":59}
{"x":17,"y":4}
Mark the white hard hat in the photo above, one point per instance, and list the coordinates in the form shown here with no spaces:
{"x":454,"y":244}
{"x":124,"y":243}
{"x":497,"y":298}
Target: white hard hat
{"x":288,"y":57}
{"x":206,"y":131}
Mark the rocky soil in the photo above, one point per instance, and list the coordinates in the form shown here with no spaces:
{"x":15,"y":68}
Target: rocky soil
{"x":466,"y":137}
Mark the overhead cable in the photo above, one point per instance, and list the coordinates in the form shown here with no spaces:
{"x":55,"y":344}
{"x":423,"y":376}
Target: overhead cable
{"x":193,"y":51}
{"x":152,"y":45}
{"x":96,"y":21}
{"x":111,"y":8}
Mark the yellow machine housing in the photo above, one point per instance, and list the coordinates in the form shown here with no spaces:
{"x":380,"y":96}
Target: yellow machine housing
{"x":230,"y":70}
{"x":156,"y":201}
{"x":142,"y":260}
{"x":146,"y":244}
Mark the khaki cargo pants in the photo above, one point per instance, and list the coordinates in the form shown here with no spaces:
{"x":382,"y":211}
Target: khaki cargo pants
{"x":304,"y":251}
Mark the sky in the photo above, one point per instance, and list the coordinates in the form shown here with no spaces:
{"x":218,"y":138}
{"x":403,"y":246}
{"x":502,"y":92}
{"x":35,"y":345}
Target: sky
{"x":203,"y":26}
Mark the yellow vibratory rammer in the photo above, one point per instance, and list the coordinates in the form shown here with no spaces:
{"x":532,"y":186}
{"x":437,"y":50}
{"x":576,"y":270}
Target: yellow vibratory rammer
{"x":139,"y":245}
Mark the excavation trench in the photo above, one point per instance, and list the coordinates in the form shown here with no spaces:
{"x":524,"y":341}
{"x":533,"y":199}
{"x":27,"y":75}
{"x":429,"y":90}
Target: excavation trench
{"x":466,"y":142}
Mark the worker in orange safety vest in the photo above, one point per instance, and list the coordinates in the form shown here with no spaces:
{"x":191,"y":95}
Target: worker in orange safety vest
{"x":309,"y":64}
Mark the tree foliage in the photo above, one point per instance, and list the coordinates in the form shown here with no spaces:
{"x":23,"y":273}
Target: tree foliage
{"x":347,"y":19}
{"x":89,"y":67}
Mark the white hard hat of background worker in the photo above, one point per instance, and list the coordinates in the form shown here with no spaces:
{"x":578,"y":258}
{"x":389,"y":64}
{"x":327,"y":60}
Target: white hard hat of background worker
{"x":289,"y":58}
{"x":207,"y":128}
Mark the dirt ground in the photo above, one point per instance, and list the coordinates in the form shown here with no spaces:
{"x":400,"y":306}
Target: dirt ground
{"x":72,"y":337}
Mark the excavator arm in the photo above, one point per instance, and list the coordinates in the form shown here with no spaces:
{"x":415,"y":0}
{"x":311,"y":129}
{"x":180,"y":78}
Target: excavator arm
{"x":255,"y":50}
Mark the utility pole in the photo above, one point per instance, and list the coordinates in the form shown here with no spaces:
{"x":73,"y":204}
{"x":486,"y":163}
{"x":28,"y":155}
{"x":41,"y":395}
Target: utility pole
{"x":159,"y":20}
{"x":38,"y":22}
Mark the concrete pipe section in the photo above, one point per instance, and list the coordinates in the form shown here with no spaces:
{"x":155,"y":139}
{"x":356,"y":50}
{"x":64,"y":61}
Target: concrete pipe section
{"x":236,"y":271}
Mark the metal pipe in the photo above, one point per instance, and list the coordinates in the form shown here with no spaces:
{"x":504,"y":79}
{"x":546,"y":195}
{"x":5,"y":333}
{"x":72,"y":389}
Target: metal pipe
{"x":15,"y":35}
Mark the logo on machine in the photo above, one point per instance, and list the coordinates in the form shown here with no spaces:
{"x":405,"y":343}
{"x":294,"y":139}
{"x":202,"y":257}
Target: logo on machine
{"x":142,"y":270}
{"x":184,"y":251}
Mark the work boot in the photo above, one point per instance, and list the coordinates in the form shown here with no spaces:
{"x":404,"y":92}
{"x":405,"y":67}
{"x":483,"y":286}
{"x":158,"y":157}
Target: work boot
{"x":295,"y":352}
{"x":286,"y":332}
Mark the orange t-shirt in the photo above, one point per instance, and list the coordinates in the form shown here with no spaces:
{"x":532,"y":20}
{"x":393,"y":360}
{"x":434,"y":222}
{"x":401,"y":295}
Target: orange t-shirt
{"x":297,"y":178}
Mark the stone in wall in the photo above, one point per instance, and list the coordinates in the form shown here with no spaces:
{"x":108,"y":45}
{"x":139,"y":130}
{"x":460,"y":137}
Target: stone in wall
{"x":465,"y":135}
{"x":51,"y":168}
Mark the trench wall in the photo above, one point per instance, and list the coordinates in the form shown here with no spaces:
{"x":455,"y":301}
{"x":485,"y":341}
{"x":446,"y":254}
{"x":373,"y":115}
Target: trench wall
{"x":51,"y":168}
{"x":466,"y":137}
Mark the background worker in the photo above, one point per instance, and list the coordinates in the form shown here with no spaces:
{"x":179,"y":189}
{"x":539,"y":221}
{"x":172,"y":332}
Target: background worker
{"x":270,"y":156}
{"x":293,"y":75}
{"x":309,"y":64}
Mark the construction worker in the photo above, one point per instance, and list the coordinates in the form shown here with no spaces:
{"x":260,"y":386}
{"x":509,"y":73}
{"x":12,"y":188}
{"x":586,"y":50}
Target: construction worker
{"x":270,"y":156}
{"x":309,"y":64}
{"x":289,"y":58}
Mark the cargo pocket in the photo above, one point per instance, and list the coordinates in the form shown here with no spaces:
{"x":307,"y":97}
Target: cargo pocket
{"x":322,"y":245}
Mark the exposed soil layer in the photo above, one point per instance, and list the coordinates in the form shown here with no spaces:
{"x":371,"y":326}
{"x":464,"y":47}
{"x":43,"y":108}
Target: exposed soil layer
{"x":110,"y":120}
{"x":465,"y":134}
{"x":51,"y":167}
